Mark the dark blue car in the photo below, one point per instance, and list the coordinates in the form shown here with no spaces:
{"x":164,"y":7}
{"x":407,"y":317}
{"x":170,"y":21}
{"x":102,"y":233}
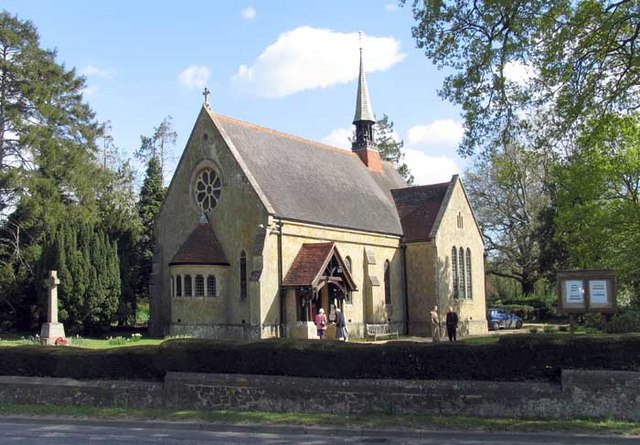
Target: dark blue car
{"x":502,"y":319}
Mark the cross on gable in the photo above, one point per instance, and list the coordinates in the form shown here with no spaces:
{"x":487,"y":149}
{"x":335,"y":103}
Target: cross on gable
{"x":206,"y":93}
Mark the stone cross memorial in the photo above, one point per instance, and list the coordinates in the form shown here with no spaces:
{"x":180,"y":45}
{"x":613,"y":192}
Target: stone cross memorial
{"x":51,"y":330}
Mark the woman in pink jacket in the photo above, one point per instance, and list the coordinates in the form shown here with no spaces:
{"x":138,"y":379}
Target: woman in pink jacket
{"x":321,"y":323}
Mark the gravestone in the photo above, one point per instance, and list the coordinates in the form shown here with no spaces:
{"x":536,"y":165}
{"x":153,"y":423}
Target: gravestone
{"x":52,"y":330}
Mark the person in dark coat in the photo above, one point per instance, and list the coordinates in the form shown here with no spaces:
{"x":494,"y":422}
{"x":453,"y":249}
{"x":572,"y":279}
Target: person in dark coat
{"x":452,"y":324}
{"x":341,"y":326}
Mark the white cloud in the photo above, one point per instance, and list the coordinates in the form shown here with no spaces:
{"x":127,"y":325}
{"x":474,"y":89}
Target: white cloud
{"x":430,"y":169}
{"x":339,"y":138}
{"x":96,"y":71}
{"x":444,"y":133}
{"x":248,"y":13}
{"x":518,"y":72}
{"x":90,"y":91}
{"x":195,"y":76}
{"x":307,"y":58}
{"x":390,"y":7}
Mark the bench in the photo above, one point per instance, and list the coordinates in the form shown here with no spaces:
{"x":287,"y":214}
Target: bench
{"x":380,"y":330}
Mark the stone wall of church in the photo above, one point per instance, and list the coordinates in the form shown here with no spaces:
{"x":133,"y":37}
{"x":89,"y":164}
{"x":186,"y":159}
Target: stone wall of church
{"x":235,"y":220}
{"x":458,"y":229}
{"x":421,"y":285}
{"x":368,"y":302}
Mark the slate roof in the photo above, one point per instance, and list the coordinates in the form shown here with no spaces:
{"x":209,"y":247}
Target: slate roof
{"x":311,"y":182}
{"x":364,"y":110}
{"x":201,"y":247}
{"x":419,"y":207}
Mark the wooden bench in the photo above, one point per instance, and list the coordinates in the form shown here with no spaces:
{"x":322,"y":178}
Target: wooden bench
{"x":380,"y":330}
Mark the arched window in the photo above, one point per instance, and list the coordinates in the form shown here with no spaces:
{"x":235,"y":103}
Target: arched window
{"x":387,"y":283}
{"x":347,"y":262}
{"x":454,"y":271}
{"x":469,"y":292}
{"x":211,"y":286}
{"x":243,"y":275}
{"x":199,"y":286}
{"x":188,"y":289}
{"x":178,"y":286}
{"x":463,"y":289}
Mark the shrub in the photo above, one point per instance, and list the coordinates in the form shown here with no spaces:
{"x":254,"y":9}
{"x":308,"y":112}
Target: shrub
{"x":626,"y":320}
{"x":512,"y":358}
{"x":548,"y":329}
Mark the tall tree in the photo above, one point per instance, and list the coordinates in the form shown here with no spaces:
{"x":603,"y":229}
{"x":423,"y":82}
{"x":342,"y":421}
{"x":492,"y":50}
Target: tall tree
{"x":580,"y":57}
{"x":87,"y":264}
{"x":151,"y":196}
{"x":48,"y":168}
{"x":159,"y":145}
{"x":390,"y":147}
{"x":599,"y":200}
{"x":508,"y":190}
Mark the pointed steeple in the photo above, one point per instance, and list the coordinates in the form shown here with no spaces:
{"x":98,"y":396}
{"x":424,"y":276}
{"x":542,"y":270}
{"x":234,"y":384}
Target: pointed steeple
{"x":363,"y":104}
{"x":364,"y":143}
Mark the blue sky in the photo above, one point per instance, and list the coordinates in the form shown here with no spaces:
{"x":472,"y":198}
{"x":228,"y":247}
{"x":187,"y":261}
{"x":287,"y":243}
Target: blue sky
{"x":290,"y":65}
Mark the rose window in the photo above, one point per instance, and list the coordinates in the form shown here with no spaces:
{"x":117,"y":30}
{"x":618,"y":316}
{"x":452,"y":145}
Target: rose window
{"x":207,"y":192}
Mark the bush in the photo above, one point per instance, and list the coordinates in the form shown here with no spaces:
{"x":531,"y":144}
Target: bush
{"x":512,"y":358}
{"x":626,"y":320}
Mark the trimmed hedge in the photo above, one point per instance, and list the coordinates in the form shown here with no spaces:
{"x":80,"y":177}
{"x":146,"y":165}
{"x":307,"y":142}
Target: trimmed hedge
{"x":512,"y":358}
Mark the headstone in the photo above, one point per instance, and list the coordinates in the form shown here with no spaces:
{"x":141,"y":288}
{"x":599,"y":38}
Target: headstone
{"x":52,"y":330}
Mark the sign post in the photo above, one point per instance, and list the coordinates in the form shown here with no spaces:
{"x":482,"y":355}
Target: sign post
{"x":584,"y":291}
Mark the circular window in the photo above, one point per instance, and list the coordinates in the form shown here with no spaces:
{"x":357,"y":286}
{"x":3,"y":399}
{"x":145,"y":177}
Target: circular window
{"x":207,"y":190}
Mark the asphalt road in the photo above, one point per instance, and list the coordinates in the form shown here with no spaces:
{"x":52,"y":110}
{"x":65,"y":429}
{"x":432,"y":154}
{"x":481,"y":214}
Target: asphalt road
{"x":48,"y":431}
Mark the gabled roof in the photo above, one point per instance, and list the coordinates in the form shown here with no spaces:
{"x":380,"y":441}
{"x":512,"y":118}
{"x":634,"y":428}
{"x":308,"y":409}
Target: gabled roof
{"x":201,"y":248}
{"x":307,"y":181}
{"x":418,"y":208}
{"x":310,"y":263}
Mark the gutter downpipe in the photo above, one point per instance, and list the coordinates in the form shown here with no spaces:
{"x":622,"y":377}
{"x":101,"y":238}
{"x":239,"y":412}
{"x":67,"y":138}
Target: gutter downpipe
{"x":283,"y":322}
{"x":405,"y":288}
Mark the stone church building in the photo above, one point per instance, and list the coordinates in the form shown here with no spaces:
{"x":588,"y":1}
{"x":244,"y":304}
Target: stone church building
{"x":261,"y":229}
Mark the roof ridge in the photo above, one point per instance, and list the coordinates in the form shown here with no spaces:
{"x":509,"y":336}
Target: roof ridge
{"x":281,"y":133}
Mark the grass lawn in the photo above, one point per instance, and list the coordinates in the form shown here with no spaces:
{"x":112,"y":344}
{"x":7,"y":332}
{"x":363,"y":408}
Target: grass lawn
{"x":339,"y":420}
{"x":81,"y":342}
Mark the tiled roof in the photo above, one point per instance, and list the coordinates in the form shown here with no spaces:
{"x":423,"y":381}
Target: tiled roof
{"x":307,"y":264}
{"x":418,"y":208}
{"x":201,"y":247}
{"x":311,"y":182}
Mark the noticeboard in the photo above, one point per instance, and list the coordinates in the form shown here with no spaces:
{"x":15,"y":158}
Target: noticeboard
{"x":584,"y":291}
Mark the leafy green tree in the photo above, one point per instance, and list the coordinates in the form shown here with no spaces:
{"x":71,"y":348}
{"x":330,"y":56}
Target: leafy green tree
{"x":580,"y":55}
{"x":391,"y":149}
{"x":599,"y":199}
{"x":509,"y":194}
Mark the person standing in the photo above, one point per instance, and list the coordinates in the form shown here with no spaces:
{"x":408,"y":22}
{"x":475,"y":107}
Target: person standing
{"x":435,"y":325}
{"x":341,"y":326}
{"x":321,"y":323}
{"x":452,"y":324}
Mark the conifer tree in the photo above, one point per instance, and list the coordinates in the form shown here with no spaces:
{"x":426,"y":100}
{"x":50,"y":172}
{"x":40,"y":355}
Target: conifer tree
{"x":151,"y":197}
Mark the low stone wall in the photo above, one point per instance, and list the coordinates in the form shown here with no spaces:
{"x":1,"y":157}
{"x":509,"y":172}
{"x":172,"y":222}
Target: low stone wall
{"x":581,"y":394}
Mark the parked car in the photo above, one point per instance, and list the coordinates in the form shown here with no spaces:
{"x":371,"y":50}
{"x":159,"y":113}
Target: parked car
{"x":502,"y":319}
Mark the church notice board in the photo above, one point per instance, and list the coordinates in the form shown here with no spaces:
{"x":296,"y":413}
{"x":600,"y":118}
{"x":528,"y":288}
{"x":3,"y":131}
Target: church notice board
{"x":583,"y":291}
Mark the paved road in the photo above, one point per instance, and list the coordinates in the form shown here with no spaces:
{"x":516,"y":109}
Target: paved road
{"x":49,"y":431}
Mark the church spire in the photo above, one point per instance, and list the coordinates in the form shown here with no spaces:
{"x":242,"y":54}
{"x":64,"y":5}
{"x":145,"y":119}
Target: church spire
{"x":364,"y":144}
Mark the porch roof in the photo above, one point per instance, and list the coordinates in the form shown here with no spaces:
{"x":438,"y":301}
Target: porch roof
{"x":309,"y":266}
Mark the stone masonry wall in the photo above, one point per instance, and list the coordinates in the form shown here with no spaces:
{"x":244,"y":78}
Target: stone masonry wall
{"x":581,"y":394}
